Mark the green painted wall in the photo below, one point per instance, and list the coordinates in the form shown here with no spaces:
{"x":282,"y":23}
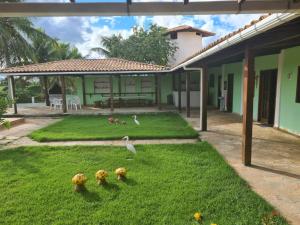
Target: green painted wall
{"x":262,"y":63}
{"x":167,"y":86}
{"x":213,"y":91}
{"x":290,"y":110}
{"x":237,"y":70}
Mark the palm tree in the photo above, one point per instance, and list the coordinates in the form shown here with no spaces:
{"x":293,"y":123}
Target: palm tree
{"x":16,"y":41}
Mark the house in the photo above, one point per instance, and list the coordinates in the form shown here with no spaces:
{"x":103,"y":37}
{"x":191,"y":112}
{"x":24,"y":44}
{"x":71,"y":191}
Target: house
{"x":253,"y":72}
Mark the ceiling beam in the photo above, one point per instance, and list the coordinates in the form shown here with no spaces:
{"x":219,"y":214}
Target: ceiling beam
{"x":146,"y":8}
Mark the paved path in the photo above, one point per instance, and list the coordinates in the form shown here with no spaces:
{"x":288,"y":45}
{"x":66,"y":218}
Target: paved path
{"x":275,"y":170}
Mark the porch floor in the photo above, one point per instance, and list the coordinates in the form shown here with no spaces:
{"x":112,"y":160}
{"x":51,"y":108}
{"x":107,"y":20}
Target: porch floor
{"x":40,"y":109}
{"x":275,"y":173}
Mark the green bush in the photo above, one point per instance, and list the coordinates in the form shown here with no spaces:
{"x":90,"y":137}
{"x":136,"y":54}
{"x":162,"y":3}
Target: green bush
{"x":3,"y":108}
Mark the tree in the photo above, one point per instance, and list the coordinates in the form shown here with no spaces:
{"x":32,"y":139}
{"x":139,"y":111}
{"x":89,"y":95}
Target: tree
{"x":16,"y":38}
{"x":64,"y":51}
{"x":150,"y":46}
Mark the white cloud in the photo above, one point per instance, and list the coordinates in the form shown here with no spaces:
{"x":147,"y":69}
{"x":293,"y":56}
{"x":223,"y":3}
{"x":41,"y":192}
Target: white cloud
{"x":85,"y":32}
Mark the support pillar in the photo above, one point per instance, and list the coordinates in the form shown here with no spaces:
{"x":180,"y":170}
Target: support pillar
{"x":159,"y":91}
{"x":188,"y":94}
{"x":46,"y":93}
{"x":63,"y":93}
{"x":248,"y":94}
{"x":179,"y":92}
{"x":12,"y":92}
{"x":83,"y":90}
{"x":203,"y":99}
{"x":119,"y":88}
{"x":111,"y":93}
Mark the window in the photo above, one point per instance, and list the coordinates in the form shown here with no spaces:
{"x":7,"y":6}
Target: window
{"x":102,"y":85}
{"x":298,"y":87}
{"x":173,"y":35}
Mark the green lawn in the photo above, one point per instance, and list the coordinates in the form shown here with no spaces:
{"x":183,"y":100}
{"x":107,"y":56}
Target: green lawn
{"x":153,"y":126}
{"x":166,"y":184}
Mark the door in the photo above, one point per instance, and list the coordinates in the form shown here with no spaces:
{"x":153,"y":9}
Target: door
{"x":267,"y":96}
{"x":219,"y":89}
{"x":230,"y":93}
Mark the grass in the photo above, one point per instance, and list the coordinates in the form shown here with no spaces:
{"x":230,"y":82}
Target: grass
{"x":153,"y":126}
{"x":166,"y":184}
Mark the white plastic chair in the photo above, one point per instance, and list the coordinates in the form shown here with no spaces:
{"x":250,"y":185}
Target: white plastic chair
{"x":76,"y":102}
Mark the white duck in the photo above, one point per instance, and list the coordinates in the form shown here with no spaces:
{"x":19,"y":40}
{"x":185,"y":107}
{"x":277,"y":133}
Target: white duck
{"x":135,"y":120}
{"x":129,"y":146}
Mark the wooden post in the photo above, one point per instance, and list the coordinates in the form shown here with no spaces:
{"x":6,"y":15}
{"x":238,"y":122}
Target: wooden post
{"x":63,"y":93}
{"x":119,"y":88}
{"x":203,"y":99}
{"x":248,"y":94}
{"x":111,"y":93}
{"x":83,"y":90}
{"x":46,"y":93}
{"x":155,"y":84}
{"x":12,"y":92}
{"x":159,"y":91}
{"x":179,"y":92}
{"x":188,"y":94}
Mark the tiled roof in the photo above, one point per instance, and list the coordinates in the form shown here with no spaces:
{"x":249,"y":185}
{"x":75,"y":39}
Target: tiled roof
{"x":86,"y":65}
{"x":185,"y":28}
{"x":224,"y":38}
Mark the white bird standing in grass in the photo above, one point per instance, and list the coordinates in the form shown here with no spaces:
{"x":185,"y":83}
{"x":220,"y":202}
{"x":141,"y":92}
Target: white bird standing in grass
{"x":129,"y":146}
{"x":135,"y":120}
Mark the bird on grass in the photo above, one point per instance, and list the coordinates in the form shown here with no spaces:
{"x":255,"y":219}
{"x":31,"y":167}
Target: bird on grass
{"x":129,"y":146}
{"x":135,"y":120}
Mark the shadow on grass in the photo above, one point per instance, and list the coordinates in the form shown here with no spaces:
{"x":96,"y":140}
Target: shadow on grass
{"x":22,"y":158}
{"x":111,"y":187}
{"x":90,"y":196}
{"x":130,"y":181}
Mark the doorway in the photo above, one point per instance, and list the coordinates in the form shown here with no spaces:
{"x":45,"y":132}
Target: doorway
{"x":219,"y":90}
{"x":267,"y":96}
{"x":230,"y":92}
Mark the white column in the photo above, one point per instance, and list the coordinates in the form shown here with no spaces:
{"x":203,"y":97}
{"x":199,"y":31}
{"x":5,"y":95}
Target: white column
{"x":278,"y":88}
{"x":10,"y":88}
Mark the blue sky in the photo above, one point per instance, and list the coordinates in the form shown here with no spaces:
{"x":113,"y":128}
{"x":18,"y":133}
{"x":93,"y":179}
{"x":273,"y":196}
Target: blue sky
{"x":86,"y":32}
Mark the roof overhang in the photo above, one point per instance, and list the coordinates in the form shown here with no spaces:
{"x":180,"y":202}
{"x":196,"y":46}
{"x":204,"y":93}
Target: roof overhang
{"x":83,"y":73}
{"x":260,"y":27}
{"x":147,"y":8}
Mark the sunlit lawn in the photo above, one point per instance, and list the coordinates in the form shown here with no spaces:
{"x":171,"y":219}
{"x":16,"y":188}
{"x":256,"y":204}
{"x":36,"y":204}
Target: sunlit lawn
{"x":152,"y":126}
{"x":166,"y":184}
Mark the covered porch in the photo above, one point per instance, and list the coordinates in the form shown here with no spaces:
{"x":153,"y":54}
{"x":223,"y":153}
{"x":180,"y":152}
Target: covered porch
{"x":275,"y":169}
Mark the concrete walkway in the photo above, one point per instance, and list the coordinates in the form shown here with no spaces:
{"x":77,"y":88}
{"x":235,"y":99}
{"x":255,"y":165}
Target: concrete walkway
{"x":275,"y":174}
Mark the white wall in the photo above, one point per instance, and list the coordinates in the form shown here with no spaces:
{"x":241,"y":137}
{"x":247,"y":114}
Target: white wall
{"x":188,"y":43}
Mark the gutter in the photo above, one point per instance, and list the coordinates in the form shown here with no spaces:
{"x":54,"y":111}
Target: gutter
{"x":258,"y":28}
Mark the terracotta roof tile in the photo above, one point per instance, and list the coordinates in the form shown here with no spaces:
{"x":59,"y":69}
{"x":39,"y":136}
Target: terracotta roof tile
{"x":185,"y":28}
{"x":86,"y":65}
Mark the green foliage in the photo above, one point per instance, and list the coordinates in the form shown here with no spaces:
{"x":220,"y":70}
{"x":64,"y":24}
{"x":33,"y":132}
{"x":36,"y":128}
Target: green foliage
{"x":161,"y":126}
{"x":166,"y":185}
{"x":3,"y":108}
{"x":149,"y":46}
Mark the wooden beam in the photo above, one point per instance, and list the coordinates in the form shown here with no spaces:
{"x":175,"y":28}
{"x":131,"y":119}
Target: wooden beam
{"x":179,"y":92}
{"x":111,"y":91}
{"x":185,"y":2}
{"x":11,"y":9}
{"x":83,"y":90}
{"x":46,"y":93}
{"x":159,"y":91}
{"x":12,"y":92}
{"x":188,"y":93}
{"x":248,"y":94}
{"x":203,"y":98}
{"x":63,"y":93}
